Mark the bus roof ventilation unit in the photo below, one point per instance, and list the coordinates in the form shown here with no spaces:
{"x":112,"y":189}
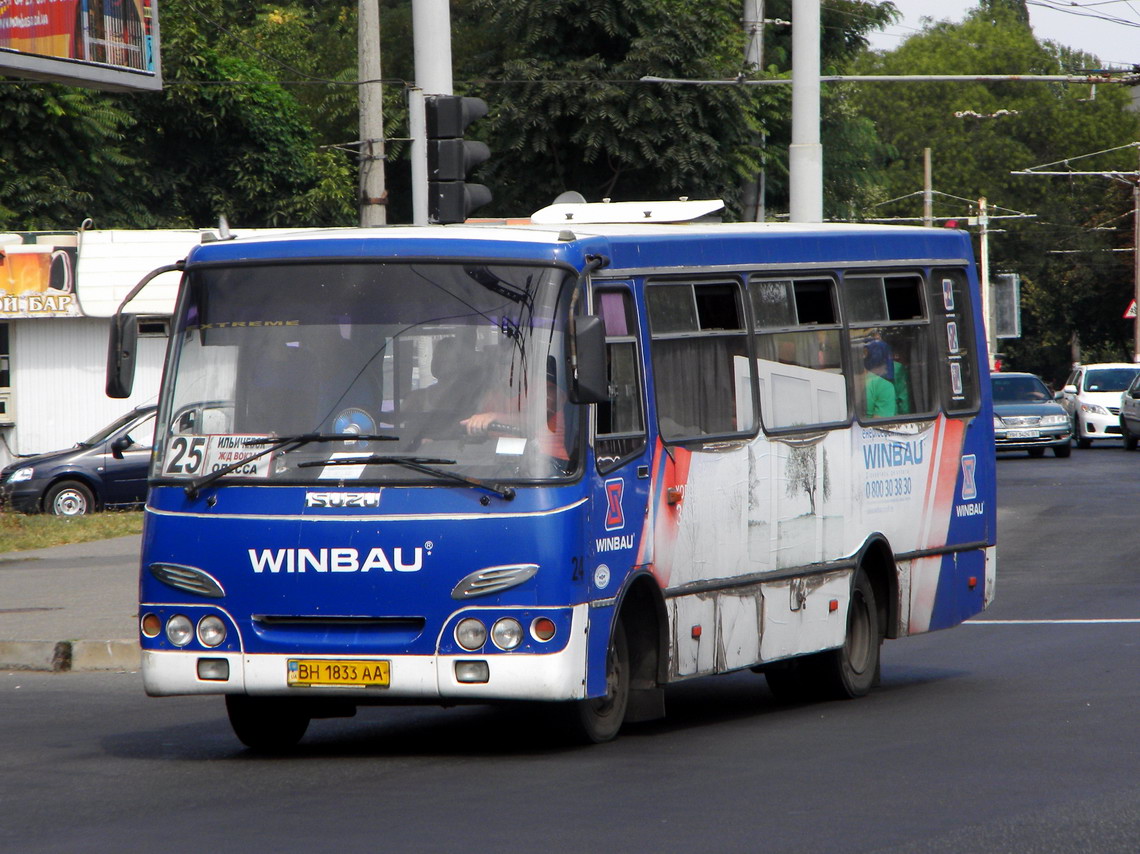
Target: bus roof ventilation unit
{"x":682,"y":210}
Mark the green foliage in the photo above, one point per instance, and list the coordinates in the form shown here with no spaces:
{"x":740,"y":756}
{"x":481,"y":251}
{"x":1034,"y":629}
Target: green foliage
{"x":64,"y":155}
{"x":980,"y":134}
{"x":569,"y":112}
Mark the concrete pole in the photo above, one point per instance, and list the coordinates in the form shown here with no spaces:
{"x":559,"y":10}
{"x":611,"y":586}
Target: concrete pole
{"x":984,"y":265}
{"x":927,"y":190}
{"x":805,"y":156}
{"x":431,"y":42}
{"x":753,"y":191}
{"x":1136,"y":267}
{"x":373,"y":196}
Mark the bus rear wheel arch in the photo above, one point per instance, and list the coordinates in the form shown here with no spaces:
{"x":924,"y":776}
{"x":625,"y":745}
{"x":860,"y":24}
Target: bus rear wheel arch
{"x":847,"y":672}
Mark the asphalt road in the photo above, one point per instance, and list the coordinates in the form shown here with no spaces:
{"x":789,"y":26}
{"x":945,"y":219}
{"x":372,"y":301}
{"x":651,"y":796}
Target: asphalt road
{"x":1013,"y":733}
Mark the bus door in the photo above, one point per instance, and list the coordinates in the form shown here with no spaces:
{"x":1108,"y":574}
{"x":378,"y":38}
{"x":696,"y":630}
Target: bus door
{"x":620,"y":534}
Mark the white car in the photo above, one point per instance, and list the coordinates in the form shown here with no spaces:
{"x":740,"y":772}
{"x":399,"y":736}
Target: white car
{"x":1091,"y":396}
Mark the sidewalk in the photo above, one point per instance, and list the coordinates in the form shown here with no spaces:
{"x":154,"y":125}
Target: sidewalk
{"x":70,"y":607}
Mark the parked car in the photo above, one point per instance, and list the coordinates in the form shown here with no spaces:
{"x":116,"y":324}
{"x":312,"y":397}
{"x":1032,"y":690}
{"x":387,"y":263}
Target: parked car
{"x":1027,"y":416}
{"x":107,"y":470}
{"x":1130,"y":414}
{"x":1092,"y":399}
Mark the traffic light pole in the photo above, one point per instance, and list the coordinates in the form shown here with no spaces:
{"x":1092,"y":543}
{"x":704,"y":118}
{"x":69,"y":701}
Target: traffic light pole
{"x":431,"y":41}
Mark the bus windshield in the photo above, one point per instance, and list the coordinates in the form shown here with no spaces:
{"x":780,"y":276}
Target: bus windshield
{"x":441,"y":369}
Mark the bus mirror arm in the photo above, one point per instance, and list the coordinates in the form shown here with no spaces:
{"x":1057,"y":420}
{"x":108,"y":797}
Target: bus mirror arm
{"x":588,"y":359}
{"x":124,"y":339}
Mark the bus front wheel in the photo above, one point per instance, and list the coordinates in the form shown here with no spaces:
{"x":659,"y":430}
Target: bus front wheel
{"x":266,"y":724}
{"x":599,"y":719}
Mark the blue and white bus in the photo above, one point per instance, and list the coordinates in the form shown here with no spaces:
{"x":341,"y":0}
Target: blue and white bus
{"x":573,"y":460}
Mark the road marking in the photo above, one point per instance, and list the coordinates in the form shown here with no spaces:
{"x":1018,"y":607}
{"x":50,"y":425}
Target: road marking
{"x":1048,"y":622}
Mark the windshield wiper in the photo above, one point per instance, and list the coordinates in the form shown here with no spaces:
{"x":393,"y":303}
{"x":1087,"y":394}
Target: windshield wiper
{"x":194,"y":487}
{"x":425,"y":465}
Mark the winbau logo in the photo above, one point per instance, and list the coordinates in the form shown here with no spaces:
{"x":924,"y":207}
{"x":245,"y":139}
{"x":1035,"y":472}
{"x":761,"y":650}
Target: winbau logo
{"x":333,"y":560}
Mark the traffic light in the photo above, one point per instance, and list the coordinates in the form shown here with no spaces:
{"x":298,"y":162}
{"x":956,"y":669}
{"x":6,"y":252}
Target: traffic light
{"x":450,"y":157}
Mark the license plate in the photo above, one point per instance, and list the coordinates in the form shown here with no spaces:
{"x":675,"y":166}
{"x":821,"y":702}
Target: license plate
{"x":307,"y":672}
{"x":1023,"y":434}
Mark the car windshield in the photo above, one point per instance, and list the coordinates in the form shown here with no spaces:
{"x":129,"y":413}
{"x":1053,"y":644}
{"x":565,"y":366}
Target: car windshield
{"x":111,"y":429}
{"x":442,"y":369}
{"x":1109,"y":379}
{"x":1019,"y":390}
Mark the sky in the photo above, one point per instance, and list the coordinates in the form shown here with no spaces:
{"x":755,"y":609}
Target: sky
{"x":1108,"y":29}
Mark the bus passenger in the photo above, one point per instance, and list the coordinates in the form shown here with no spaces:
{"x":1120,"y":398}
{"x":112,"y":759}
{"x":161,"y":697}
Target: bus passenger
{"x":881,"y":402}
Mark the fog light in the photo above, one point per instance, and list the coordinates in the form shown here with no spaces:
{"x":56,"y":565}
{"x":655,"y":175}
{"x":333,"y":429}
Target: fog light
{"x":470,"y":634}
{"x":179,"y":630}
{"x":543,"y":629}
{"x":151,"y":625}
{"x":211,"y":631}
{"x":214,"y":669}
{"x":472,"y":671}
{"x":507,"y":633}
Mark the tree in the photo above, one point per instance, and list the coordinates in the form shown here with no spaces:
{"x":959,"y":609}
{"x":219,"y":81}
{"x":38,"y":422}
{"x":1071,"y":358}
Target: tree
{"x":980,"y":133}
{"x":64,"y":155}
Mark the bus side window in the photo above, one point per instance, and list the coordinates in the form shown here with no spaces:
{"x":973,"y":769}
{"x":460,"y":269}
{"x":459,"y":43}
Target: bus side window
{"x":950,"y":298}
{"x":799,"y":354}
{"x":699,"y":348}
{"x":890,"y":346}
{"x":620,"y":421}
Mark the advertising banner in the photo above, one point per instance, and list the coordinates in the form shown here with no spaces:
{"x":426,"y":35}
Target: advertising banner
{"x":85,"y":39}
{"x":37,"y":275}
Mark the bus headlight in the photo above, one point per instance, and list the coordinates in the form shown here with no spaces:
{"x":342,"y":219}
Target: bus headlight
{"x":507,"y":633}
{"x":470,"y":634}
{"x":179,"y":630}
{"x":211,"y":631}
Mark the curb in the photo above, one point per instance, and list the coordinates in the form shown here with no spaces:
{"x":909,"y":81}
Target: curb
{"x":68,"y":656}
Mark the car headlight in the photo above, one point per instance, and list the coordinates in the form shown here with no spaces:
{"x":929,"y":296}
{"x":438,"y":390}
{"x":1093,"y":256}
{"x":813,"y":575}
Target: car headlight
{"x":20,"y":475}
{"x":1094,"y":409}
{"x":1054,"y":420}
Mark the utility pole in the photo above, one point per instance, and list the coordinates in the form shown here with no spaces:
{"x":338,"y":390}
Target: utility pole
{"x":927,"y":190}
{"x":984,"y":265}
{"x":1136,"y":263}
{"x":753,"y":191}
{"x":805,"y":156}
{"x":373,"y":196}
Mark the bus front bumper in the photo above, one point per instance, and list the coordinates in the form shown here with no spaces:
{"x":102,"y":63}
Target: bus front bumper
{"x":470,"y":677}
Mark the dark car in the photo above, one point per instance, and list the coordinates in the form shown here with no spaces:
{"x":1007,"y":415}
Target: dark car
{"x":108,"y":470}
{"x":1027,"y":416}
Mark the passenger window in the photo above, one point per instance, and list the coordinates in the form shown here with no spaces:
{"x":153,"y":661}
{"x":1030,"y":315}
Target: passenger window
{"x":957,"y":374}
{"x":701,"y":372}
{"x":620,"y":421}
{"x":890,"y":346}
{"x":799,"y":354}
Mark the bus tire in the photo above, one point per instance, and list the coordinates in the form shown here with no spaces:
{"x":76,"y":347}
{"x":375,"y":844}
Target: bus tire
{"x":599,"y":719}
{"x":265,"y":724}
{"x":853,"y":669}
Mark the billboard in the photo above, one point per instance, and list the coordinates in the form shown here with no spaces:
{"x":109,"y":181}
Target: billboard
{"x":101,"y":44}
{"x":37,"y":275}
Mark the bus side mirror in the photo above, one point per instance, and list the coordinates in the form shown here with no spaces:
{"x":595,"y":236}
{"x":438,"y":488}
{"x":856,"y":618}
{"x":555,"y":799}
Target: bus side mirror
{"x":121,"y":355}
{"x":591,"y":380}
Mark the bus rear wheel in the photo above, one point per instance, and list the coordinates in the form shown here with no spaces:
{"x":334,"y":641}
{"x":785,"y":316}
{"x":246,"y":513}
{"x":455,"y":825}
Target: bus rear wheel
{"x":599,"y":719}
{"x":853,"y":669}
{"x":265,"y":724}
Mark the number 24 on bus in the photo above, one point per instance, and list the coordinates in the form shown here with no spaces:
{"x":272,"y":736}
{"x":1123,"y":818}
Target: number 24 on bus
{"x":573,"y":460}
